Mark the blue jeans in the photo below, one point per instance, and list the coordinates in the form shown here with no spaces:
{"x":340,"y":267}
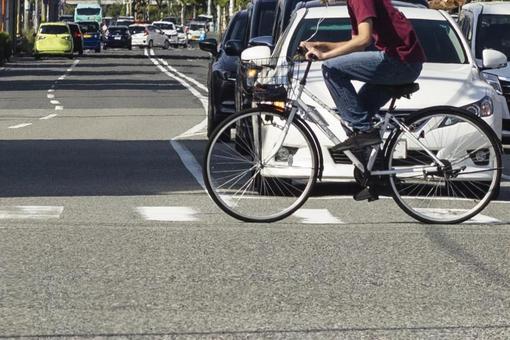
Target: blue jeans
{"x":372,"y":68}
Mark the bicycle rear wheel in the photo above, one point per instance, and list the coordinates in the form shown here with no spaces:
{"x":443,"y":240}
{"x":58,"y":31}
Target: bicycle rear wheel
{"x":256,"y":171}
{"x":471,"y":171}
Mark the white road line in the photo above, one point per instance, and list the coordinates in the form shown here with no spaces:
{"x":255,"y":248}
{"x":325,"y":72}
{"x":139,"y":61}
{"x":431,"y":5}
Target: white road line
{"x":203,"y":99}
{"x":189,"y":162}
{"x":199,"y":85}
{"x":505,"y":177}
{"x":19,"y":126}
{"x":50,"y":96}
{"x":69,"y":69}
{"x":59,"y":108}
{"x":54,"y":102}
{"x":62,"y":77}
{"x":48,"y":116}
{"x":316,"y":216}
{"x":169,"y":214}
{"x":31,"y":212}
{"x":51,"y":90}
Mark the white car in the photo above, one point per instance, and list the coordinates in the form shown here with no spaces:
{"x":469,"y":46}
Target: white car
{"x":486,"y":25}
{"x":144,"y":35}
{"x":182,"y":37}
{"x":449,"y":77}
{"x":169,"y":29}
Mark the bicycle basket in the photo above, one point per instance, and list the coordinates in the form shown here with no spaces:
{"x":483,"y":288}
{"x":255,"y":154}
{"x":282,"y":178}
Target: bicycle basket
{"x":271,"y":78}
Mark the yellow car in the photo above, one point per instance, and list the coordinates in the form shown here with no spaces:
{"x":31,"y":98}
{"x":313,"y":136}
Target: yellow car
{"x":53,"y":38}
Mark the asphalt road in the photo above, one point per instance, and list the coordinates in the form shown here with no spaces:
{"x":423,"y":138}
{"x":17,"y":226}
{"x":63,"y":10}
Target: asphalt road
{"x":105,"y":231}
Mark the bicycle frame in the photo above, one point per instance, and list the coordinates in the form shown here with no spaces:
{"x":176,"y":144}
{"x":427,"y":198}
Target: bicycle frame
{"x":308,"y":112}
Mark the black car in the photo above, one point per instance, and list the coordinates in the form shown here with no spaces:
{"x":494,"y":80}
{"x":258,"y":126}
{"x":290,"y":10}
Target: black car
{"x":77,"y":37}
{"x":284,"y":9}
{"x":118,"y":37}
{"x":223,"y":68}
{"x":261,"y":16}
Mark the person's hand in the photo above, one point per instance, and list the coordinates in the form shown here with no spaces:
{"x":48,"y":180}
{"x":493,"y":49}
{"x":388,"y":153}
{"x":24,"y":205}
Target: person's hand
{"x":314,"y":54}
{"x":307,"y":44}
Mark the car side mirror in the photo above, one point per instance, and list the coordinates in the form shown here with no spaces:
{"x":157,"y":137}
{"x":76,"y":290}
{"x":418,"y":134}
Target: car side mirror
{"x":493,"y":59}
{"x":256,"y":53}
{"x":233,"y":48}
{"x":209,"y":45}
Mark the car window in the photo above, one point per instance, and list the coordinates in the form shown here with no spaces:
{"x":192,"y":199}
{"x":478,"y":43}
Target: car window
{"x":151,"y":28}
{"x":438,"y":38}
{"x":54,"y":29}
{"x":164,"y":26}
{"x":89,"y":27}
{"x":466,"y":25}
{"x":117,"y":29}
{"x":237,"y":28}
{"x":137,"y":29}
{"x":179,"y":30}
{"x":330,"y":29}
{"x":493,"y":32}
{"x":262,"y":22}
{"x":439,"y":41}
{"x":87,"y":11}
{"x":74,"y":28}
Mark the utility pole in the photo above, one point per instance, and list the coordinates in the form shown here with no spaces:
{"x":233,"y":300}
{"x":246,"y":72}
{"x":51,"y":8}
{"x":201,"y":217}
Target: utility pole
{"x":36,"y":15}
{"x":209,"y":5}
{"x":230,"y":9}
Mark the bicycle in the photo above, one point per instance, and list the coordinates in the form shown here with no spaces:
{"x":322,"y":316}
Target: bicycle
{"x":442,"y":164}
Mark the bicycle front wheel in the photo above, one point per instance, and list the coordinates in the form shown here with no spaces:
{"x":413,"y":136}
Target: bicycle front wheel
{"x":260,"y":167}
{"x":450,"y":172}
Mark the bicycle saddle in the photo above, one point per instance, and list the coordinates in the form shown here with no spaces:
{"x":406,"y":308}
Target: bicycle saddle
{"x":397,"y":91}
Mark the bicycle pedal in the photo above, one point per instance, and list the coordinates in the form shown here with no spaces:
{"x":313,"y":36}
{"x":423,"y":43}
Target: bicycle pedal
{"x":366,"y":194}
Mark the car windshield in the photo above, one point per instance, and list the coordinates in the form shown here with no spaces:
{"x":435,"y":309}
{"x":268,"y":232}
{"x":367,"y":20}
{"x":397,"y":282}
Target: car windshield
{"x":54,"y":29}
{"x":114,"y":30}
{"x":493,"y":32}
{"x":163,"y":26}
{"x":195,"y":27}
{"x":438,"y":38}
{"x":89,"y":27}
{"x":88,"y":11}
{"x":137,"y":29}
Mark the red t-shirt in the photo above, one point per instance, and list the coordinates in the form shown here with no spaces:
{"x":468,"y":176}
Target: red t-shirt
{"x":392,"y":32}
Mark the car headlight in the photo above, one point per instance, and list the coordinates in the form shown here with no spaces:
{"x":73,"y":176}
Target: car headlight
{"x":493,"y":81}
{"x":481,"y":108}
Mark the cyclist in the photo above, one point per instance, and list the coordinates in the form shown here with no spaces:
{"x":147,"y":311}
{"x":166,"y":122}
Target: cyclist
{"x":398,"y":59}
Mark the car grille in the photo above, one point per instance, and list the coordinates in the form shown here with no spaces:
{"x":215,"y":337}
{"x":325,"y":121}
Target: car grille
{"x":505,"y":85}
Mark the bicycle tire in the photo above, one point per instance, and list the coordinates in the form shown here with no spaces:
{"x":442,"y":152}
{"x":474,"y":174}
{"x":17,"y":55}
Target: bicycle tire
{"x":463,"y":179}
{"x":278,"y":200}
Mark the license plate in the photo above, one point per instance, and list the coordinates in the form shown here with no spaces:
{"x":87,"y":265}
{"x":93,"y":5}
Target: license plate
{"x":117,"y":38}
{"x":400,"y":150}
{"x":87,"y":36}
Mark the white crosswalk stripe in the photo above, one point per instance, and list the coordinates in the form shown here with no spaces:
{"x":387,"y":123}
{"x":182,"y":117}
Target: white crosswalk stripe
{"x":169,"y":214}
{"x":316,"y":216}
{"x":33,"y":212}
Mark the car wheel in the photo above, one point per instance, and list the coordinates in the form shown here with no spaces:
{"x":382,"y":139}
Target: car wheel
{"x":71,"y":56}
{"x":166,"y":45}
{"x":98,"y":50}
{"x":37,"y":57}
{"x":151,"y":44}
{"x":80,"y":52}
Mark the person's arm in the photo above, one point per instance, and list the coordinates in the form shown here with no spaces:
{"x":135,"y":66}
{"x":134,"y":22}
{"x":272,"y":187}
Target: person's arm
{"x":357,"y":43}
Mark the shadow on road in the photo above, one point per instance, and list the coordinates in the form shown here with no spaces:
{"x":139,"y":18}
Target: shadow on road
{"x":34,"y":168}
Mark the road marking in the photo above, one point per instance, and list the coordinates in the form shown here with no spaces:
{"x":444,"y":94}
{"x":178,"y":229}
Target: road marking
{"x":171,"y":68}
{"x":54,"y":102}
{"x":69,"y":69}
{"x":48,"y":116}
{"x":203,"y":100}
{"x":478,"y":219}
{"x":189,"y":162}
{"x":59,"y":108}
{"x":505,"y":177}
{"x":62,"y":77}
{"x":316,"y":216}
{"x":31,"y":212}
{"x":19,"y":126}
{"x":168,"y":214}
{"x":50,"y":95}
{"x":51,"y":90}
